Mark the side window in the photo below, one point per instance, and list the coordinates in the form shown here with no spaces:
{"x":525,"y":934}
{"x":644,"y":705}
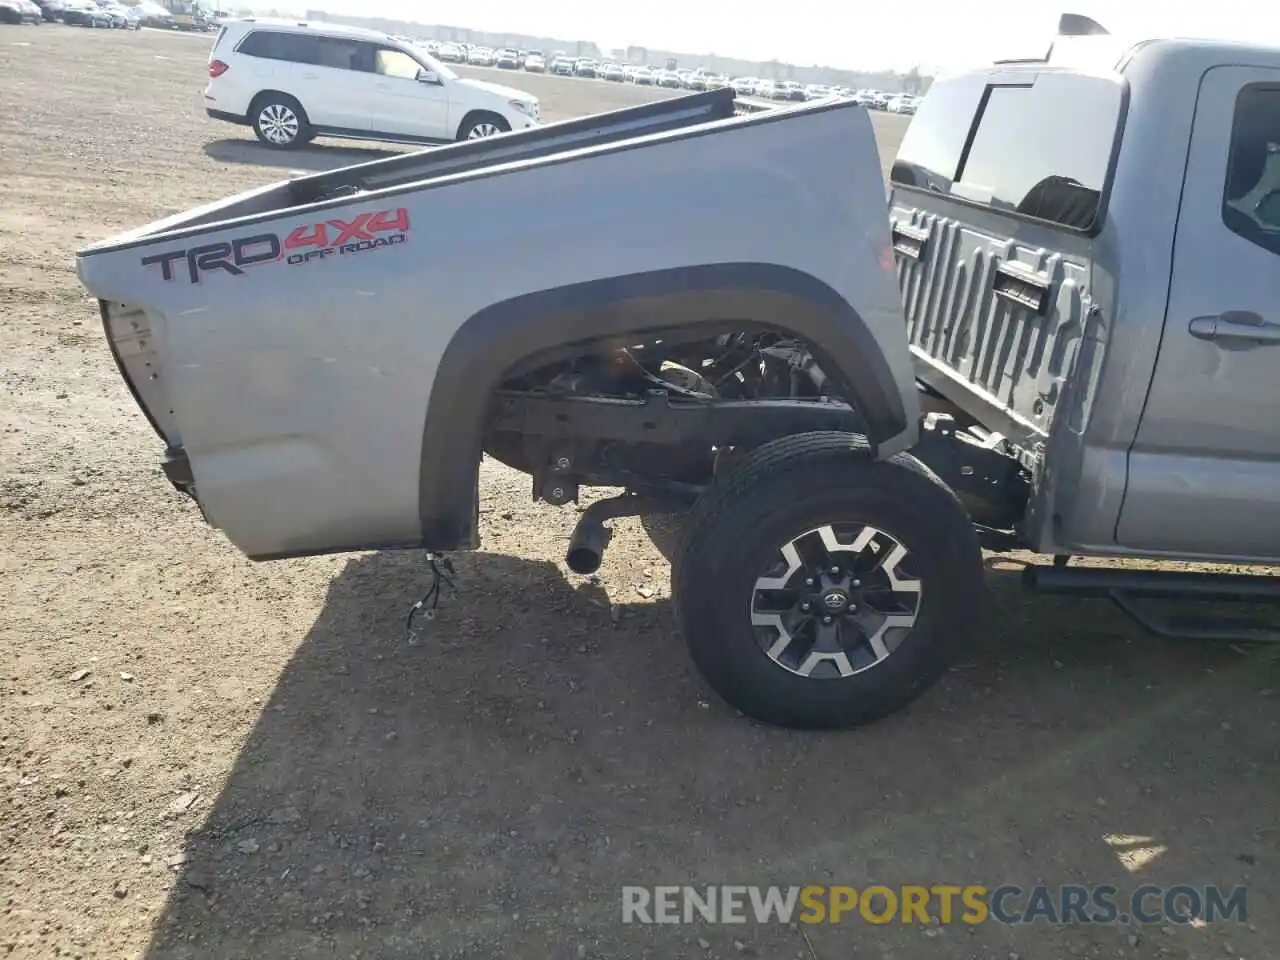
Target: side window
{"x":341,"y":54}
{"x":262,"y":43}
{"x":389,"y":62}
{"x":270,"y":45}
{"x":1251,"y":194}
{"x":1043,"y":149}
{"x":931,"y":149}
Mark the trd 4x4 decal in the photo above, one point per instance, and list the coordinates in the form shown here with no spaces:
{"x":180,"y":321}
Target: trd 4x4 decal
{"x":312,"y":241}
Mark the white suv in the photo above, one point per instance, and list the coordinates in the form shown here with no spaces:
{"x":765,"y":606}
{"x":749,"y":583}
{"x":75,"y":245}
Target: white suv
{"x":295,"y":81}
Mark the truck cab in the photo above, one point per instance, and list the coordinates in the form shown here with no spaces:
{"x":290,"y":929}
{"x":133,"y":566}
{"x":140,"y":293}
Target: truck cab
{"x":1087,"y":248}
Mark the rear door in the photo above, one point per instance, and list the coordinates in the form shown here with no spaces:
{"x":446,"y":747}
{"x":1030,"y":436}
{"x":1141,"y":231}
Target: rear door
{"x":404,"y":107}
{"x":996,"y":196}
{"x":339,"y":83}
{"x":319,"y":72}
{"x":1204,"y":470}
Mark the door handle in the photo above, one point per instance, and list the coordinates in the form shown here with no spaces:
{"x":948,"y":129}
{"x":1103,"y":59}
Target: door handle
{"x":1235,"y":326}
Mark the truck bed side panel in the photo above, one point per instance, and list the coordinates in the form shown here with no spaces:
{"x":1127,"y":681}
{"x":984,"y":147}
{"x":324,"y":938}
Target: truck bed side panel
{"x":299,"y":388}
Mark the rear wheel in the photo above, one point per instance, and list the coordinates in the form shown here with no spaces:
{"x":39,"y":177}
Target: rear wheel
{"x":280,"y":122}
{"x":818,"y":588}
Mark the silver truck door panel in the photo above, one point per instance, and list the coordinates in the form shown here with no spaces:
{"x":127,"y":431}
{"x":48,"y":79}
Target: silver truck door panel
{"x":1204,"y":470}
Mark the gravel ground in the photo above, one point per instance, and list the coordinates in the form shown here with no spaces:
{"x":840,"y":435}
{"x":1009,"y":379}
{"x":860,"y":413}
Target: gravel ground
{"x":202,"y":757}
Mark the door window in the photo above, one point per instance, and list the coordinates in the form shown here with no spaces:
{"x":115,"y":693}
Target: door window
{"x":1251,"y":194}
{"x":389,"y":62}
{"x":272,"y":45}
{"x":340,"y":54}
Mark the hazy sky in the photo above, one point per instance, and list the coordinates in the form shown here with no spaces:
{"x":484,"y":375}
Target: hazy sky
{"x":934,"y":33}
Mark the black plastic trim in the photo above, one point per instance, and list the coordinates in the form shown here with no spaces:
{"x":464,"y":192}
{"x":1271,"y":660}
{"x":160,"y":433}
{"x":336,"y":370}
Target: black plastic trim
{"x":614,"y":310}
{"x":355,"y":133}
{"x":228,"y":117}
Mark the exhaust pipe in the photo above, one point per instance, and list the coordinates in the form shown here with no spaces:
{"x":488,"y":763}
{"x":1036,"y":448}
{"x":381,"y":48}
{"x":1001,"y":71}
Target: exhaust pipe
{"x":591,"y":536}
{"x":587,"y":542}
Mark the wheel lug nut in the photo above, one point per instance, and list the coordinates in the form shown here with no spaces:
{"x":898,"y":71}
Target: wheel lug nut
{"x":826,"y":619}
{"x":835,"y":571}
{"x":805,"y":607}
{"x":808,"y":581}
{"x":856,"y":583}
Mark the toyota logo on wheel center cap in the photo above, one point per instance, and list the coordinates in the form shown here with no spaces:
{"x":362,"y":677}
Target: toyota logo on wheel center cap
{"x":835,"y":600}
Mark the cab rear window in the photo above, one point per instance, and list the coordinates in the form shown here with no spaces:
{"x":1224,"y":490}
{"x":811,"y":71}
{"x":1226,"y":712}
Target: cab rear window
{"x":1040,"y":148}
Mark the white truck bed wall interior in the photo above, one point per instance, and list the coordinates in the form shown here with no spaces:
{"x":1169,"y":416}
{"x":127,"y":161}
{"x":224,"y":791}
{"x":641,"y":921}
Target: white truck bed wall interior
{"x":288,"y":346}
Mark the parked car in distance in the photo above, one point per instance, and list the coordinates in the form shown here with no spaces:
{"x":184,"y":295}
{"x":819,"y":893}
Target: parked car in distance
{"x":643,"y":76}
{"x":586,"y":67}
{"x":122,"y":17}
{"x":903,"y":103}
{"x":480,"y":56}
{"x":667,"y":78}
{"x":612,"y":71}
{"x":20,"y":11}
{"x":563,"y":67}
{"x":84,"y":13}
{"x":746,"y":86}
{"x":451,"y":53}
{"x":49,"y":9}
{"x":293,"y":81}
{"x":534,"y":63}
{"x":507,"y":59}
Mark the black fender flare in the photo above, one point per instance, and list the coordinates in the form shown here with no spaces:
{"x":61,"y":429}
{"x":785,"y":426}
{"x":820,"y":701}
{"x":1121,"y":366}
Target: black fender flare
{"x":501,"y":336}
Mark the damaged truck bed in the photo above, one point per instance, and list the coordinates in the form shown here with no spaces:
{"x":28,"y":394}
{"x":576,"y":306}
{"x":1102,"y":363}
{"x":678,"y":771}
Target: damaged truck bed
{"x":320,"y":355}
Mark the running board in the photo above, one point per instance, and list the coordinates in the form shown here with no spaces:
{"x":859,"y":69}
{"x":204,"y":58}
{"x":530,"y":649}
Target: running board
{"x":1123,"y":587}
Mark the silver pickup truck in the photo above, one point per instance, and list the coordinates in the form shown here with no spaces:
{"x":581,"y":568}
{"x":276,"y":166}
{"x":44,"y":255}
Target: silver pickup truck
{"x":1060,"y":339}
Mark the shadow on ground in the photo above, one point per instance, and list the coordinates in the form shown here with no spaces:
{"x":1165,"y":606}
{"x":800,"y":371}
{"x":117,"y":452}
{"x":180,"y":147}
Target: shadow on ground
{"x":487,"y":791}
{"x":313,"y":158}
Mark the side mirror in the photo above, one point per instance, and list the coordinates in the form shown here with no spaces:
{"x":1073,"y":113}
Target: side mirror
{"x":429,"y":76}
{"x":1268,"y":209}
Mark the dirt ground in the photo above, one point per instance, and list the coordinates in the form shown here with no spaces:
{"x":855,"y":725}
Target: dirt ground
{"x":202,"y":757}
